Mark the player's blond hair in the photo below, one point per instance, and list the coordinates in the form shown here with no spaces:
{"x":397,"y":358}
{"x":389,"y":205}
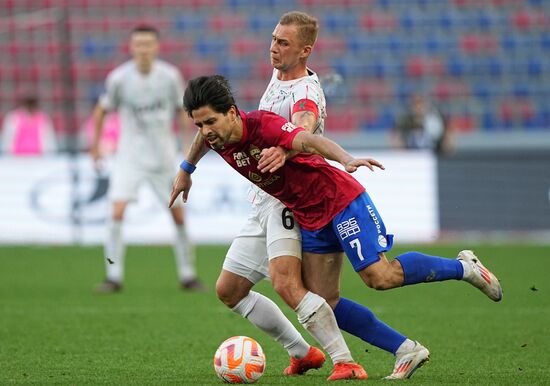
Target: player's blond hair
{"x":308,"y":26}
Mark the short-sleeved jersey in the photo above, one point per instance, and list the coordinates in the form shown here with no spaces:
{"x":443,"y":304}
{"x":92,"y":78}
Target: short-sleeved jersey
{"x":280,"y":97}
{"x":146,"y":105}
{"x":314,"y":190}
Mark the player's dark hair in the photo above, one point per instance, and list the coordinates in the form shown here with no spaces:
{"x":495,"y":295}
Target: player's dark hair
{"x":213,"y":91}
{"x":146,"y":28}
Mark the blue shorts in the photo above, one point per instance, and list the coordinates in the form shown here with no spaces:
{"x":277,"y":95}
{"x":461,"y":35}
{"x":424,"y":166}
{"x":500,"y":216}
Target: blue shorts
{"x":357,"y":230}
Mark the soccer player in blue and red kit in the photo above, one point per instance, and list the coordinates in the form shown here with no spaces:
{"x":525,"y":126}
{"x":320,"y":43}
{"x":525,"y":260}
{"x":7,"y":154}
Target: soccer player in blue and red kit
{"x":333,"y":209}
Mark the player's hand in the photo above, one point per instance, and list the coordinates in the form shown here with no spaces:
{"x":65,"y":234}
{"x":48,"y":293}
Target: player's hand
{"x":355,"y":163}
{"x":97,"y":158}
{"x":182,"y":183}
{"x":272,"y":159}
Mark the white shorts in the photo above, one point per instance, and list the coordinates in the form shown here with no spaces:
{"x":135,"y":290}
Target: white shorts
{"x":124,"y":183}
{"x":269,"y":232}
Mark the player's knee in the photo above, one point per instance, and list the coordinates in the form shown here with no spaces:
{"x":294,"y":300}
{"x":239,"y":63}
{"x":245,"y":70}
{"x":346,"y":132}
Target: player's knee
{"x":288,"y":288}
{"x":378,"y":280}
{"x":228,"y":294}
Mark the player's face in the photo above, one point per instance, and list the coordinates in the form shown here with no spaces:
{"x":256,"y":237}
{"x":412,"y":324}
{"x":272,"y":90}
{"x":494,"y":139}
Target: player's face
{"x":144,"y":47}
{"x":215,"y":127}
{"x":287,"y":49}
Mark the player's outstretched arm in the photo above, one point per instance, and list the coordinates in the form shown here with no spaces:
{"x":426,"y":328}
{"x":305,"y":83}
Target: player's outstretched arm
{"x":182,"y":182}
{"x":309,"y":143}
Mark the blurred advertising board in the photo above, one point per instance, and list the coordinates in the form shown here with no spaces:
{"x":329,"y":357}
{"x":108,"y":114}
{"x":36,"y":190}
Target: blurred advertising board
{"x":62,"y":200}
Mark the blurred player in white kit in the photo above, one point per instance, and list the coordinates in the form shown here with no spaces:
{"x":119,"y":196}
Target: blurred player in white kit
{"x":148,"y":94}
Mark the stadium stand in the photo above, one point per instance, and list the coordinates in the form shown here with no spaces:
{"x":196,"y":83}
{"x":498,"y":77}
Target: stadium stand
{"x":485,"y":63}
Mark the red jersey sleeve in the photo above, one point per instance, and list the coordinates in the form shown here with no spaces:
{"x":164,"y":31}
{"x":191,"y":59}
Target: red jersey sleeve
{"x":278,"y":131}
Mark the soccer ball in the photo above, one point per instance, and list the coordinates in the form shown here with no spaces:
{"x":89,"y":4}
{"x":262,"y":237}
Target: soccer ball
{"x":239,"y":359}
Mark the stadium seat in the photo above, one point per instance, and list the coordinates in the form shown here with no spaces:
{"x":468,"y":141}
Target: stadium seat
{"x":211,"y":46}
{"x":235,"y":69}
{"x":263,"y":23}
{"x":189,"y":23}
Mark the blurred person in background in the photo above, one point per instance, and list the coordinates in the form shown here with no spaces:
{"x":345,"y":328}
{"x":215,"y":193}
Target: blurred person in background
{"x":422,"y":127}
{"x":148,"y":95}
{"x":27,"y":130}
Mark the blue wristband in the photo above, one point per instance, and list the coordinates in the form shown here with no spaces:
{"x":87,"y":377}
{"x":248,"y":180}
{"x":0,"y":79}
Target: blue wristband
{"x":188,"y":167}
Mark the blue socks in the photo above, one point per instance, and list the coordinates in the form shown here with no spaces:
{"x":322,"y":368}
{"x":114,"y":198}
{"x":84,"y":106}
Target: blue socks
{"x":358,"y":320}
{"x":420,"y":268}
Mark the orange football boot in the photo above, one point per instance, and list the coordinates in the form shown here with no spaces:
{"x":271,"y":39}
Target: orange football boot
{"x":351,"y":370}
{"x":314,"y":359}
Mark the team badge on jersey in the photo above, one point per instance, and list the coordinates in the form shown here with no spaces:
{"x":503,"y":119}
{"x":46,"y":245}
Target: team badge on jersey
{"x":255,"y":152}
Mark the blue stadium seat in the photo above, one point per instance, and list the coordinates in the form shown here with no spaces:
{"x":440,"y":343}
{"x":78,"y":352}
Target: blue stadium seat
{"x":95,"y":91}
{"x":545,"y":41}
{"x":534,"y":67}
{"x":339,"y":22}
{"x":193,"y":23}
{"x":445,"y":20}
{"x":211,"y":46}
{"x":94,"y":47}
{"x":235,"y":69}
{"x":385,"y":121}
{"x":490,"y":122}
{"x":263,"y":22}
{"x":481,"y":90}
{"x":408,"y":21}
{"x":521,"y":90}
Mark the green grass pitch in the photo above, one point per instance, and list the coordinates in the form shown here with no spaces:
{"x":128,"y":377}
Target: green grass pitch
{"x":55,"y":330}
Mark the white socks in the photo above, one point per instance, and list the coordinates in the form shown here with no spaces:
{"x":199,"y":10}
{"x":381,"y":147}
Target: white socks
{"x":185,"y":258}
{"x":467,"y":269}
{"x":264,"y":314}
{"x":114,"y":252}
{"x":406,"y":346}
{"x":318,"y":319}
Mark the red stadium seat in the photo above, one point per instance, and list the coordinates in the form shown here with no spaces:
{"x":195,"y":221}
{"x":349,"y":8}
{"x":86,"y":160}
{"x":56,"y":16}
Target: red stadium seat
{"x":371,"y":90}
{"x":447,"y":90}
{"x":419,"y":66}
{"x":473,"y":43}
{"x":342,"y":119}
{"x":248,"y":45}
{"x":192,"y":68}
{"x":330,"y":46}
{"x":224,"y":24}
{"x":529,"y":20}
{"x":375,"y":21}
{"x":462,"y":123}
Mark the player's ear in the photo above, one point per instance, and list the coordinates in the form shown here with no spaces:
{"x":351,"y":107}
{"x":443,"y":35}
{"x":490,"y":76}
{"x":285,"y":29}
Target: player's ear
{"x":306,"y":51}
{"x":232,"y":113}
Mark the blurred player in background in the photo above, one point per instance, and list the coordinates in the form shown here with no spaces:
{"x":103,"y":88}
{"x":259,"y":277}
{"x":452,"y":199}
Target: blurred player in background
{"x":147,"y":93}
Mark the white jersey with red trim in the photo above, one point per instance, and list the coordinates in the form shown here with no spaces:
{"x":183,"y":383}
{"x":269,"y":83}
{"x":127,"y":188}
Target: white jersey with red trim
{"x":280,"y":98}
